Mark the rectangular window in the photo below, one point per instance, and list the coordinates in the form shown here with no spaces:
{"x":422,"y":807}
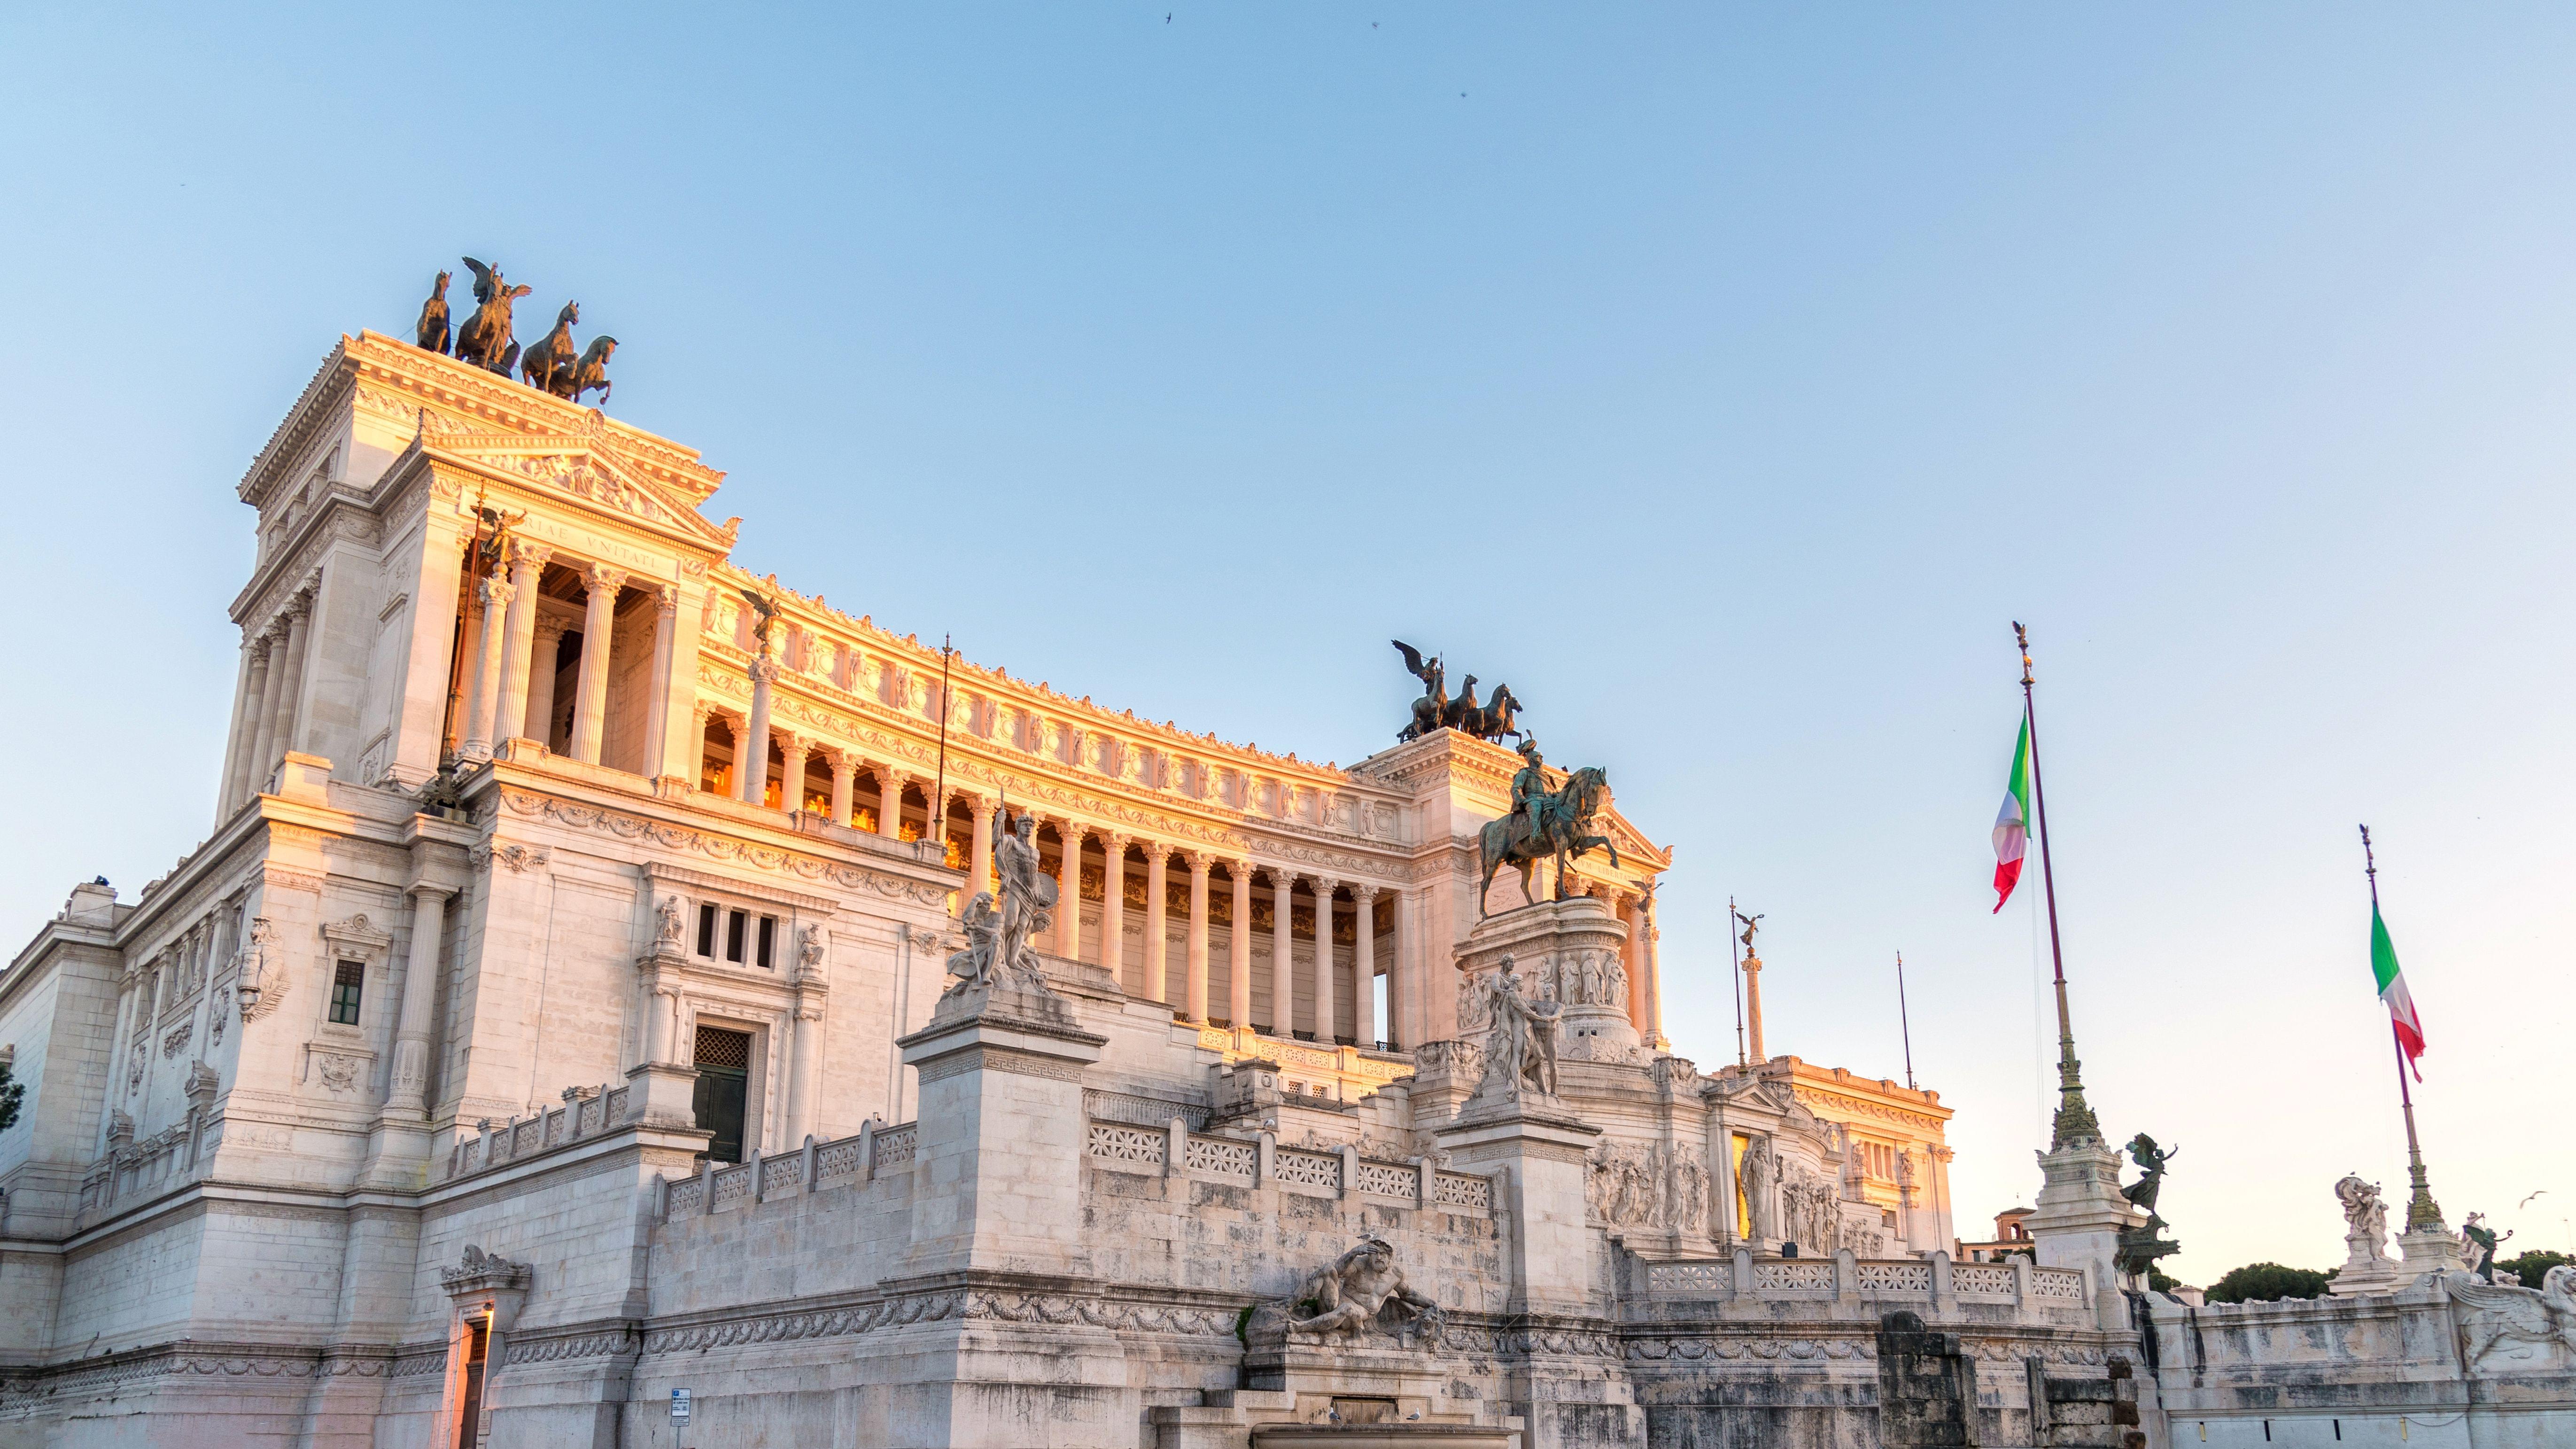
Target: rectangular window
{"x":469,"y":1423}
{"x":733,"y":936}
{"x":768,"y":938}
{"x":706,"y":929}
{"x":347,"y":981}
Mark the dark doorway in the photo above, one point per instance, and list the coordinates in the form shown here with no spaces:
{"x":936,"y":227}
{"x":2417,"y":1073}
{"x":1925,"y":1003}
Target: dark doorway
{"x":478,"y":1334}
{"x":724,"y":1081}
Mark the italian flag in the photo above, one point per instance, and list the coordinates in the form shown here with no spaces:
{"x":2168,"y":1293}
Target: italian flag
{"x":2012,"y":823}
{"x":2392,"y":990}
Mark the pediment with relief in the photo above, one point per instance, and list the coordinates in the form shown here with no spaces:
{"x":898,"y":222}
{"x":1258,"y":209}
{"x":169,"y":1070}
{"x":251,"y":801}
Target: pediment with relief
{"x":592,"y":474}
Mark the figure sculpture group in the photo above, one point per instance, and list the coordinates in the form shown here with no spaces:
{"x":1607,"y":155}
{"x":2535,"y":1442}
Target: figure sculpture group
{"x":1435,"y":710}
{"x":552,"y":366}
{"x":1347,"y":1295}
{"x":998,"y":934}
{"x":1520,"y":1046}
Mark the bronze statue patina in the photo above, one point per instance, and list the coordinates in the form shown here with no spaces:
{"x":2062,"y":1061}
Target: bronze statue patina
{"x":764,"y":611}
{"x":2478,"y":1244}
{"x":590,"y":374}
{"x":2140,"y":1246}
{"x":552,"y":356}
{"x":1435,"y":710}
{"x":1433,"y":707}
{"x":2151,"y":1170}
{"x":486,"y":341}
{"x":1544,"y":824}
{"x":432,"y":330}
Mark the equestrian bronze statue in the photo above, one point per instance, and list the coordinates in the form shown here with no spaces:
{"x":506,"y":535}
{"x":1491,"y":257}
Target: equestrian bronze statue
{"x":1544,"y":825}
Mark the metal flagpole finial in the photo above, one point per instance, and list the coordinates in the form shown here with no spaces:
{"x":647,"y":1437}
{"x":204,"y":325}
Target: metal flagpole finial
{"x":2021,"y":637}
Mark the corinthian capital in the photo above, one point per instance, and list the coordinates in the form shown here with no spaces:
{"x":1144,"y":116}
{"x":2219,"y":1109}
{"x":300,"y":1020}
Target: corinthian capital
{"x":497,"y":591}
{"x":526,"y":555}
{"x":601,"y":576}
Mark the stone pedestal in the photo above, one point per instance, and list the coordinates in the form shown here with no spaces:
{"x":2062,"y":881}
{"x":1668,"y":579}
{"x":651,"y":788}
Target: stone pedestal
{"x":1569,"y":952}
{"x":2365,"y":1270}
{"x":997,"y":1223}
{"x":1539,"y":1147}
{"x":2080,"y":1217}
{"x":2436,"y":1249}
{"x":997,"y":1168}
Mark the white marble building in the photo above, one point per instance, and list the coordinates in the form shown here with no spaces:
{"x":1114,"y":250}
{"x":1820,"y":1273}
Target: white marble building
{"x":417,"y":1108}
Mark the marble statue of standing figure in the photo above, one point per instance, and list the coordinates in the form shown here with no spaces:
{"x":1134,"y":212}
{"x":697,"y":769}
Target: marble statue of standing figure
{"x":2365,"y":1220}
{"x":1756,"y":1176}
{"x":1521,"y":1045}
{"x":1028,"y":893}
{"x":670,"y":922}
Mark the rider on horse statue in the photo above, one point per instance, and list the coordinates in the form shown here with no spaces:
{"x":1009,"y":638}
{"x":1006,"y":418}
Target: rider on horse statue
{"x":1530,"y":795}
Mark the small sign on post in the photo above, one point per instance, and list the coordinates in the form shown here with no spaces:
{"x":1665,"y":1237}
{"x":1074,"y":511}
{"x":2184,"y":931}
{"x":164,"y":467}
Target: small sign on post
{"x":679,"y":1406}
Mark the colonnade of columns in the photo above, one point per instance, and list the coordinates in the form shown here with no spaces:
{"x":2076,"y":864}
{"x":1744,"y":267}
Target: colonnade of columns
{"x":267,"y":701}
{"x":510,"y":684}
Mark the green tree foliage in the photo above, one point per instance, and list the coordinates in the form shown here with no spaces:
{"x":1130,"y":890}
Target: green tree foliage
{"x":11,"y":1090}
{"x":2533,"y":1266}
{"x":2264,"y":1282}
{"x":2160,"y":1280}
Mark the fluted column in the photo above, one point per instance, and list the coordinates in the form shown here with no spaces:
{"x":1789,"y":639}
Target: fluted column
{"x":889,"y":802}
{"x":407,"y":1090}
{"x":695,"y":768}
{"x":527,"y":569}
{"x":751,"y":762}
{"x":254,"y":662}
{"x":1283,"y":959}
{"x":657,"y":709}
{"x":1653,"y":968}
{"x":598,"y":628}
{"x":979,"y":844}
{"x":792,"y":750}
{"x":544,"y":648}
{"x":255,"y":766}
{"x":477,"y":743}
{"x":1238,"y":953}
{"x":1068,"y":891}
{"x":1327,"y":1003}
{"x":1195,"y":993}
{"x":246,"y":720}
{"x":1158,"y":983}
{"x":801,"y":1063}
{"x":290,"y":691}
{"x":1364,"y":964}
{"x":843,"y":769}
{"x":1113,"y":905}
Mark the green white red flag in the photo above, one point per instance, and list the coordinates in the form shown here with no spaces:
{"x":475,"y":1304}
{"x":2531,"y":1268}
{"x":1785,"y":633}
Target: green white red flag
{"x":2392,"y":990}
{"x":2012,"y":823}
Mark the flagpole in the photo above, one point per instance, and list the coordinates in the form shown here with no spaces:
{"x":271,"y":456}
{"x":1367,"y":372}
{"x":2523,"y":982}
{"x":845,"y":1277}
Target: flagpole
{"x":1904,"y":1024}
{"x":2074,"y":1122}
{"x":1735,"y":978}
{"x":2421,"y":1211}
{"x":939,"y":807}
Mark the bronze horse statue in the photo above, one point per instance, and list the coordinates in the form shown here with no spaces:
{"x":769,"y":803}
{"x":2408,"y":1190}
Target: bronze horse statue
{"x":432,"y":332}
{"x":485,"y":340}
{"x":1568,"y":811}
{"x":552,"y":358}
{"x":591,"y":373}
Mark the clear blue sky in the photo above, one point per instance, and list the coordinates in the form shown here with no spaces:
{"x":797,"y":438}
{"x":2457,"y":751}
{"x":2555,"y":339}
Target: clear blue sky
{"x":1723,"y":379}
